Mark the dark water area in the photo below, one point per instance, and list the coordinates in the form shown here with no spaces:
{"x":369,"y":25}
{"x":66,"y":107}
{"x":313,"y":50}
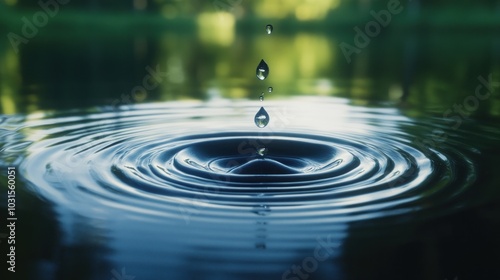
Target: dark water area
{"x":138,"y":156}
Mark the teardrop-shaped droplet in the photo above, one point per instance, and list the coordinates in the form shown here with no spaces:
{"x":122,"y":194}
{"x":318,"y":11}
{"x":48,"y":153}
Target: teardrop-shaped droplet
{"x":261,"y":118}
{"x":262,"y":70}
{"x":270,"y":89}
{"x":269,"y":29}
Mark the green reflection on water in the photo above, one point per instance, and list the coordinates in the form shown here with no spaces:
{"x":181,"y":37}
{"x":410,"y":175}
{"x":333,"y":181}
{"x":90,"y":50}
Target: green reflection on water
{"x":428,"y":56}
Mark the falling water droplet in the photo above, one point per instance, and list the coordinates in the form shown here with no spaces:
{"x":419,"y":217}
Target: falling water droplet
{"x":269,"y":29}
{"x":261,"y":97}
{"x":270,"y":89}
{"x":261,"y":118}
{"x":262,"y":70}
{"x":262,"y":151}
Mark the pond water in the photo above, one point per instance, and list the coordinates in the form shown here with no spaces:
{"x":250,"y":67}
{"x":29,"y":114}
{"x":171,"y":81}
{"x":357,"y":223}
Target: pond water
{"x":360,"y":173}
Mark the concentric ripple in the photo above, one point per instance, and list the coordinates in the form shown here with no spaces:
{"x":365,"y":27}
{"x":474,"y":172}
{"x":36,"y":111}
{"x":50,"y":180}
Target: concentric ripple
{"x":317,"y":168}
{"x":162,"y":158}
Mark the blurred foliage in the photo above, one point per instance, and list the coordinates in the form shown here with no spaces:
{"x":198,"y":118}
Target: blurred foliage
{"x":92,"y":53}
{"x":292,"y":14}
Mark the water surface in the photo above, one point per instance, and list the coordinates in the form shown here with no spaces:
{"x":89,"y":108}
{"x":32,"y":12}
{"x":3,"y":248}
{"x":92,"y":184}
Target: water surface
{"x":180,"y":189}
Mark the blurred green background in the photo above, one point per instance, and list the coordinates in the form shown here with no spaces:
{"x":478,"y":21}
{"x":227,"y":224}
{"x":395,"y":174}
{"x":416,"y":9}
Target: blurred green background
{"x":99,"y":53}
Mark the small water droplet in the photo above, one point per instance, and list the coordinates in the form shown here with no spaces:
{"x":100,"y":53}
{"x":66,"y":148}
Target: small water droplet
{"x":270,"y":89}
{"x":269,"y":29}
{"x":262,"y":151}
{"x":262,"y":70}
{"x":261,"y":118}
{"x":261,"y":97}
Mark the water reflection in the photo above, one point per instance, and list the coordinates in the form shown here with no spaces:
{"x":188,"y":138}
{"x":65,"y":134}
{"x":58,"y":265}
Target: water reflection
{"x":189,"y":189}
{"x":117,"y":212}
{"x":52,"y":243}
{"x":425,"y":71}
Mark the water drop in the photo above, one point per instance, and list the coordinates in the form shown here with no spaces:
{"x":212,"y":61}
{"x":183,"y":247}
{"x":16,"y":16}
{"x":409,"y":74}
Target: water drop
{"x":269,"y":29}
{"x":261,"y":118}
{"x":261,"y":97}
{"x":262,"y":151}
{"x":270,"y":89}
{"x":262,"y":70}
